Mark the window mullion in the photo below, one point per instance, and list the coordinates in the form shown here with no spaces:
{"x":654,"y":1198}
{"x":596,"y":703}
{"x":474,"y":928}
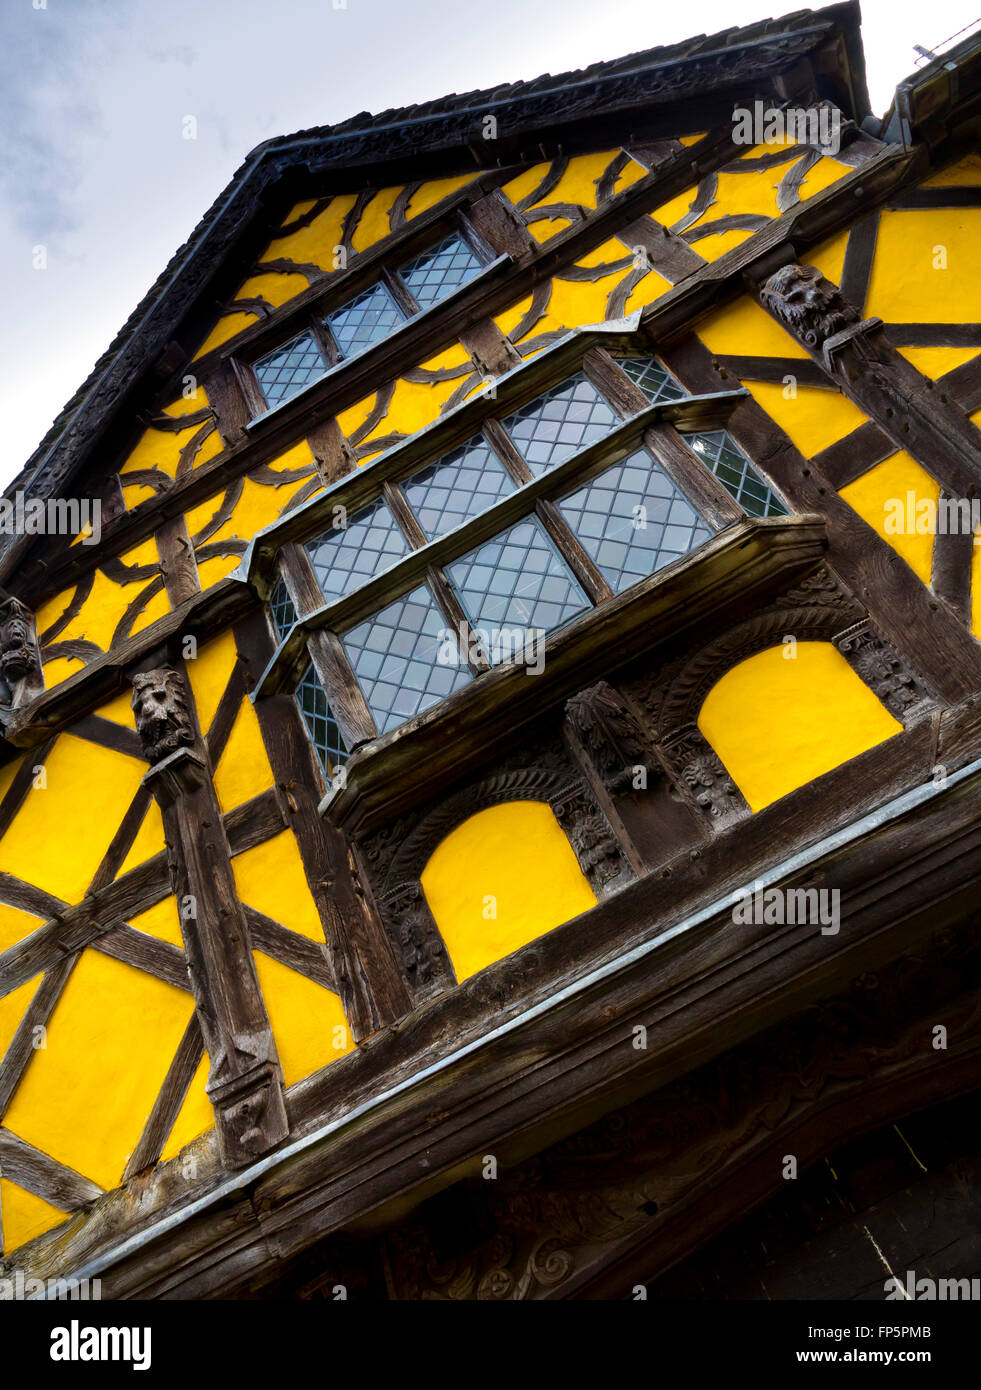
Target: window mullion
{"x":612,"y":381}
{"x":404,"y":515}
{"x":455,"y":615}
{"x":699,"y":484}
{"x":300,"y":579}
{"x":572,"y":552}
{"x":399,"y":292}
{"x":347,"y":703}
{"x":325,"y":340}
{"x":500,"y":441}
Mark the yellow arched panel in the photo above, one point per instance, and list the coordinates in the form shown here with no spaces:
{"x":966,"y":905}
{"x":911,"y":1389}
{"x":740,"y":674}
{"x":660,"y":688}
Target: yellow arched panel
{"x":502,"y":878}
{"x":777,"y":722}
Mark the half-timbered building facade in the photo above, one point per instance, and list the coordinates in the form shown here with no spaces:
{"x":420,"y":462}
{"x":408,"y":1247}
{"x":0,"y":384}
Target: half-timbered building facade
{"x":489,"y":802}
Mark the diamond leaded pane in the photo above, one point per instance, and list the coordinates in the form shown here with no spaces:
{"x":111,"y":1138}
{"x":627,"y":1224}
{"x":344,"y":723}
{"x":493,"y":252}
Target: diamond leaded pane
{"x":720,"y":452}
{"x":439,"y":271}
{"x":347,"y":556}
{"x":633,"y":520}
{"x":551,"y":428}
{"x":517,"y":579}
{"x":405,"y":659}
{"x":282,"y":609}
{"x":655,"y":381}
{"x":366,"y":320}
{"x":287,"y":370}
{"x":457,"y":487}
{"x":326,"y":736}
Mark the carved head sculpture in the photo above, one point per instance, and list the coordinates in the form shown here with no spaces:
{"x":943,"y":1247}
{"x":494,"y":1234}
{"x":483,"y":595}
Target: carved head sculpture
{"x":809,"y":305}
{"x":18,"y":649}
{"x":162,"y":718}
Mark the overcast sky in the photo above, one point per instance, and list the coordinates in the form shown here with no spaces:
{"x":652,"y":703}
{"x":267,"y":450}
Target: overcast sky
{"x":95,"y":93}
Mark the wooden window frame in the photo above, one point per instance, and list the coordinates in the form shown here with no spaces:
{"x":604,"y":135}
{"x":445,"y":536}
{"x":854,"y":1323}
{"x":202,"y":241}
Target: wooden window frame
{"x":310,"y":317}
{"x":318,"y":634}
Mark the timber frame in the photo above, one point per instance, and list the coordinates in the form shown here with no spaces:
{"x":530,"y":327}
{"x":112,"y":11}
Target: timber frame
{"x":355,"y":1174}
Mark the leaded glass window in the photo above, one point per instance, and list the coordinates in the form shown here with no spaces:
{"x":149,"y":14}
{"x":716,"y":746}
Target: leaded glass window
{"x":632,"y":520}
{"x":326,"y":736}
{"x":553,"y":427}
{"x":289,"y":369}
{"x":439,"y":271}
{"x":282,"y":609}
{"x":517,"y":579}
{"x":366,"y":320}
{"x":457,"y":487}
{"x":655,"y":381}
{"x":347,"y":556}
{"x":720,"y":452}
{"x":405,"y":659}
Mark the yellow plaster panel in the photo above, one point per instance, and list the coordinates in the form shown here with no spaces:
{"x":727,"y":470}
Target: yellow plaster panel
{"x":907,"y":287}
{"x":307,"y":1020}
{"x":966,"y":173}
{"x":259,"y":504}
{"x":935,"y":362}
{"x":413,"y":404}
{"x":243,"y":769}
{"x":270,"y":878}
{"x":829,"y":257}
{"x":226,"y":327}
{"x":716,"y":245}
{"x":502,"y":878}
{"x":813,"y":419}
{"x":161,"y":449}
{"x":60,"y":669}
{"x":13,"y":1006}
{"x":274,"y":287}
{"x":216,"y":569}
{"x":743,"y":329}
{"x":103,"y":609}
{"x":119,"y":710}
{"x":314,"y":244}
{"x":86,"y":1096}
{"x":209,"y":672}
{"x":14,"y":926}
{"x":25,"y":1215}
{"x":433,"y":192}
{"x":888,"y":482}
{"x":161,"y":921}
{"x":61,"y":832}
{"x":195,"y":1116}
{"x":374,"y":223}
{"x":778,"y":723}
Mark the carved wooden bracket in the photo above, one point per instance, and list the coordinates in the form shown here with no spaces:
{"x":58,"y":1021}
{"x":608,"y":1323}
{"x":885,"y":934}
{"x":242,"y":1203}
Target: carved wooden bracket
{"x":416,"y":941}
{"x":245,"y":1083}
{"x":703,"y":778}
{"x":20,"y":662}
{"x":886,"y":672}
